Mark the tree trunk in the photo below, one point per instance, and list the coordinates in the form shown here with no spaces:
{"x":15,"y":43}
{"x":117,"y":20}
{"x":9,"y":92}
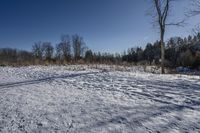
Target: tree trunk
{"x":162,"y":51}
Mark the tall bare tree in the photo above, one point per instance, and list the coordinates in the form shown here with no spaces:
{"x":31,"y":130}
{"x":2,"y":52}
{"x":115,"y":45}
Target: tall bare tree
{"x":63,"y":49}
{"x":162,"y":8}
{"x":194,"y":11}
{"x":37,"y":50}
{"x":78,"y":46}
{"x":47,"y":50}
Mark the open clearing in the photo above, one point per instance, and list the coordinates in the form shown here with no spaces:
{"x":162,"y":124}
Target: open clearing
{"x":65,"y":99}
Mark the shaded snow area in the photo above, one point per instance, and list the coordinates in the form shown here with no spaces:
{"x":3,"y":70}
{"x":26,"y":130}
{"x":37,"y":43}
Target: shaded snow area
{"x":58,"y":99}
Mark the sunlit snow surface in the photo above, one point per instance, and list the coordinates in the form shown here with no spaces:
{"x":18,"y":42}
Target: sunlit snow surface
{"x":67,"y":99}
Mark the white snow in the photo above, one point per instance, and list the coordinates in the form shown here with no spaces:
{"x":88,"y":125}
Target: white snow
{"x":86,"y":99}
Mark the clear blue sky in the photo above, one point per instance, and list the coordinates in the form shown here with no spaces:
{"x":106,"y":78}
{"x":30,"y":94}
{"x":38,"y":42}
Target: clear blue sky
{"x":106,"y":25}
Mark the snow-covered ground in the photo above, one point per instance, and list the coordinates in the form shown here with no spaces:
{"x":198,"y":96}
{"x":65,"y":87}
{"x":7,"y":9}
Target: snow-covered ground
{"x":82,"y":99}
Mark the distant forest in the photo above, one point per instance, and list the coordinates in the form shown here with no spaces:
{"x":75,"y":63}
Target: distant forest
{"x":72,"y":49}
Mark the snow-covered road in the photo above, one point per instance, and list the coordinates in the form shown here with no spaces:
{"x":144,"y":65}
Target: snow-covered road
{"x":59,"y":99}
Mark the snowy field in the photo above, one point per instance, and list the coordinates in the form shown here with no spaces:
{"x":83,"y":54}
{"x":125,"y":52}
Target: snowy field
{"x":78,"y":99}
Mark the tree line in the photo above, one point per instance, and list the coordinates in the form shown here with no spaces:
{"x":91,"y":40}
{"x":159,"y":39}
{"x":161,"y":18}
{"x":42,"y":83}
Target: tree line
{"x":178,"y":52}
{"x":72,"y":49}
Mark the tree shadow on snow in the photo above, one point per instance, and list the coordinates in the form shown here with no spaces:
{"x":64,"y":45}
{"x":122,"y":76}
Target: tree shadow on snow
{"x":28,"y":82}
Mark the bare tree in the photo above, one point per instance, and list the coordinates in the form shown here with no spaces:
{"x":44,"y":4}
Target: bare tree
{"x":78,"y":46}
{"x":37,"y":50}
{"x":63,"y":49}
{"x":48,"y":50}
{"x":161,"y":15}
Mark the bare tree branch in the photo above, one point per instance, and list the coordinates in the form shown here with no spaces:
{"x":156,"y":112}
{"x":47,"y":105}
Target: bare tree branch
{"x":195,"y":9}
{"x":196,"y":29}
{"x":179,"y":24}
